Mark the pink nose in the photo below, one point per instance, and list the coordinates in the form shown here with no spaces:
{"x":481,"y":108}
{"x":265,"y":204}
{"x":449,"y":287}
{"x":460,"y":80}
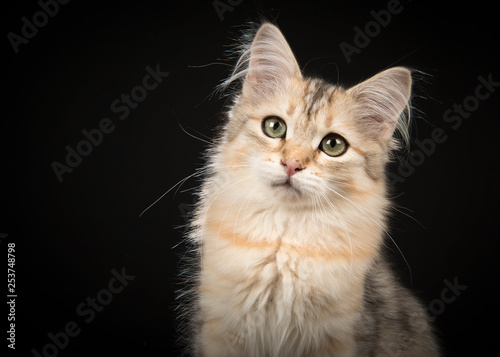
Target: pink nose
{"x":292,"y":166}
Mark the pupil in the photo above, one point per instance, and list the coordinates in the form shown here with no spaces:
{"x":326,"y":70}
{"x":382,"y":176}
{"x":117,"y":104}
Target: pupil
{"x":276,"y":125}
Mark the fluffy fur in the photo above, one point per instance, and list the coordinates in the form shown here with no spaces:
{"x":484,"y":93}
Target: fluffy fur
{"x":291,"y":264}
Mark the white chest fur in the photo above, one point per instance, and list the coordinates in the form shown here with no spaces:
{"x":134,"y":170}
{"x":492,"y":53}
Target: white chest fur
{"x":274,"y":298}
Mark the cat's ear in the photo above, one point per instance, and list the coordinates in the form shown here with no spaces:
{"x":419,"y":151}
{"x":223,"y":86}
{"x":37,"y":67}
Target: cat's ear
{"x":271,"y":63}
{"x":380,"y":101}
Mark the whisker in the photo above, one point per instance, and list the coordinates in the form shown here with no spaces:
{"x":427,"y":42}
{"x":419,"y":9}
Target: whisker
{"x":343,"y":225}
{"x":239,"y":165}
{"x":221,"y":190}
{"x":198,"y":132}
{"x":341,"y":182}
{"x":188,"y":133}
{"x":188,"y":189}
{"x":409,"y":216}
{"x":209,"y":64}
{"x":244,"y":203}
{"x":380,"y":226}
{"x":404,"y":258}
{"x":216,"y":195}
{"x":181,"y":182}
{"x":170,"y":189}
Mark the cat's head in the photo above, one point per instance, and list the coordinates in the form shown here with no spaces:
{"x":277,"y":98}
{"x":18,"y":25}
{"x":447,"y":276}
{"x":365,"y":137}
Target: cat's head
{"x":299,"y":139}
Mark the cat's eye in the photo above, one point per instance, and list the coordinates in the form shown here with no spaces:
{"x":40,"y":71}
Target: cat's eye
{"x":333,"y":145}
{"x":274,"y":127}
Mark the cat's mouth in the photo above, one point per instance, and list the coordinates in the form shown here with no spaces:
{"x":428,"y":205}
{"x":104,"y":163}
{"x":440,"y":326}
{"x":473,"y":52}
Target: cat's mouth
{"x":287,"y":186}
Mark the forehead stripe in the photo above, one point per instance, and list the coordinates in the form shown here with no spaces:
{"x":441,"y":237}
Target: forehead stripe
{"x":321,"y":91}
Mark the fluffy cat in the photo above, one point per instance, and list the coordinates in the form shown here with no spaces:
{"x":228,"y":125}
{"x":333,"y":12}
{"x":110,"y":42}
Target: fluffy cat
{"x":292,"y":217}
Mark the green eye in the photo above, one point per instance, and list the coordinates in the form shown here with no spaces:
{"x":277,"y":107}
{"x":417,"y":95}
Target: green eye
{"x":274,"y":127}
{"x":333,"y":145}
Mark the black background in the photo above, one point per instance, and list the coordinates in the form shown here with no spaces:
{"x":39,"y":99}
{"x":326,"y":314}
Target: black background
{"x":70,"y":235}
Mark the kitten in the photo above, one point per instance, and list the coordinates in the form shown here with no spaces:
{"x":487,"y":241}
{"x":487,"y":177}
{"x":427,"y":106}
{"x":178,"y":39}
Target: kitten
{"x":292,"y":218}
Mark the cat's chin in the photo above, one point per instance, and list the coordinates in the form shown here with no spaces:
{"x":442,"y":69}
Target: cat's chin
{"x":287,"y":189}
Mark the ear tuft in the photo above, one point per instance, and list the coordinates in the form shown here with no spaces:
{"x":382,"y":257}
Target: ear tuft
{"x":266,"y":64}
{"x":380,"y":103}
